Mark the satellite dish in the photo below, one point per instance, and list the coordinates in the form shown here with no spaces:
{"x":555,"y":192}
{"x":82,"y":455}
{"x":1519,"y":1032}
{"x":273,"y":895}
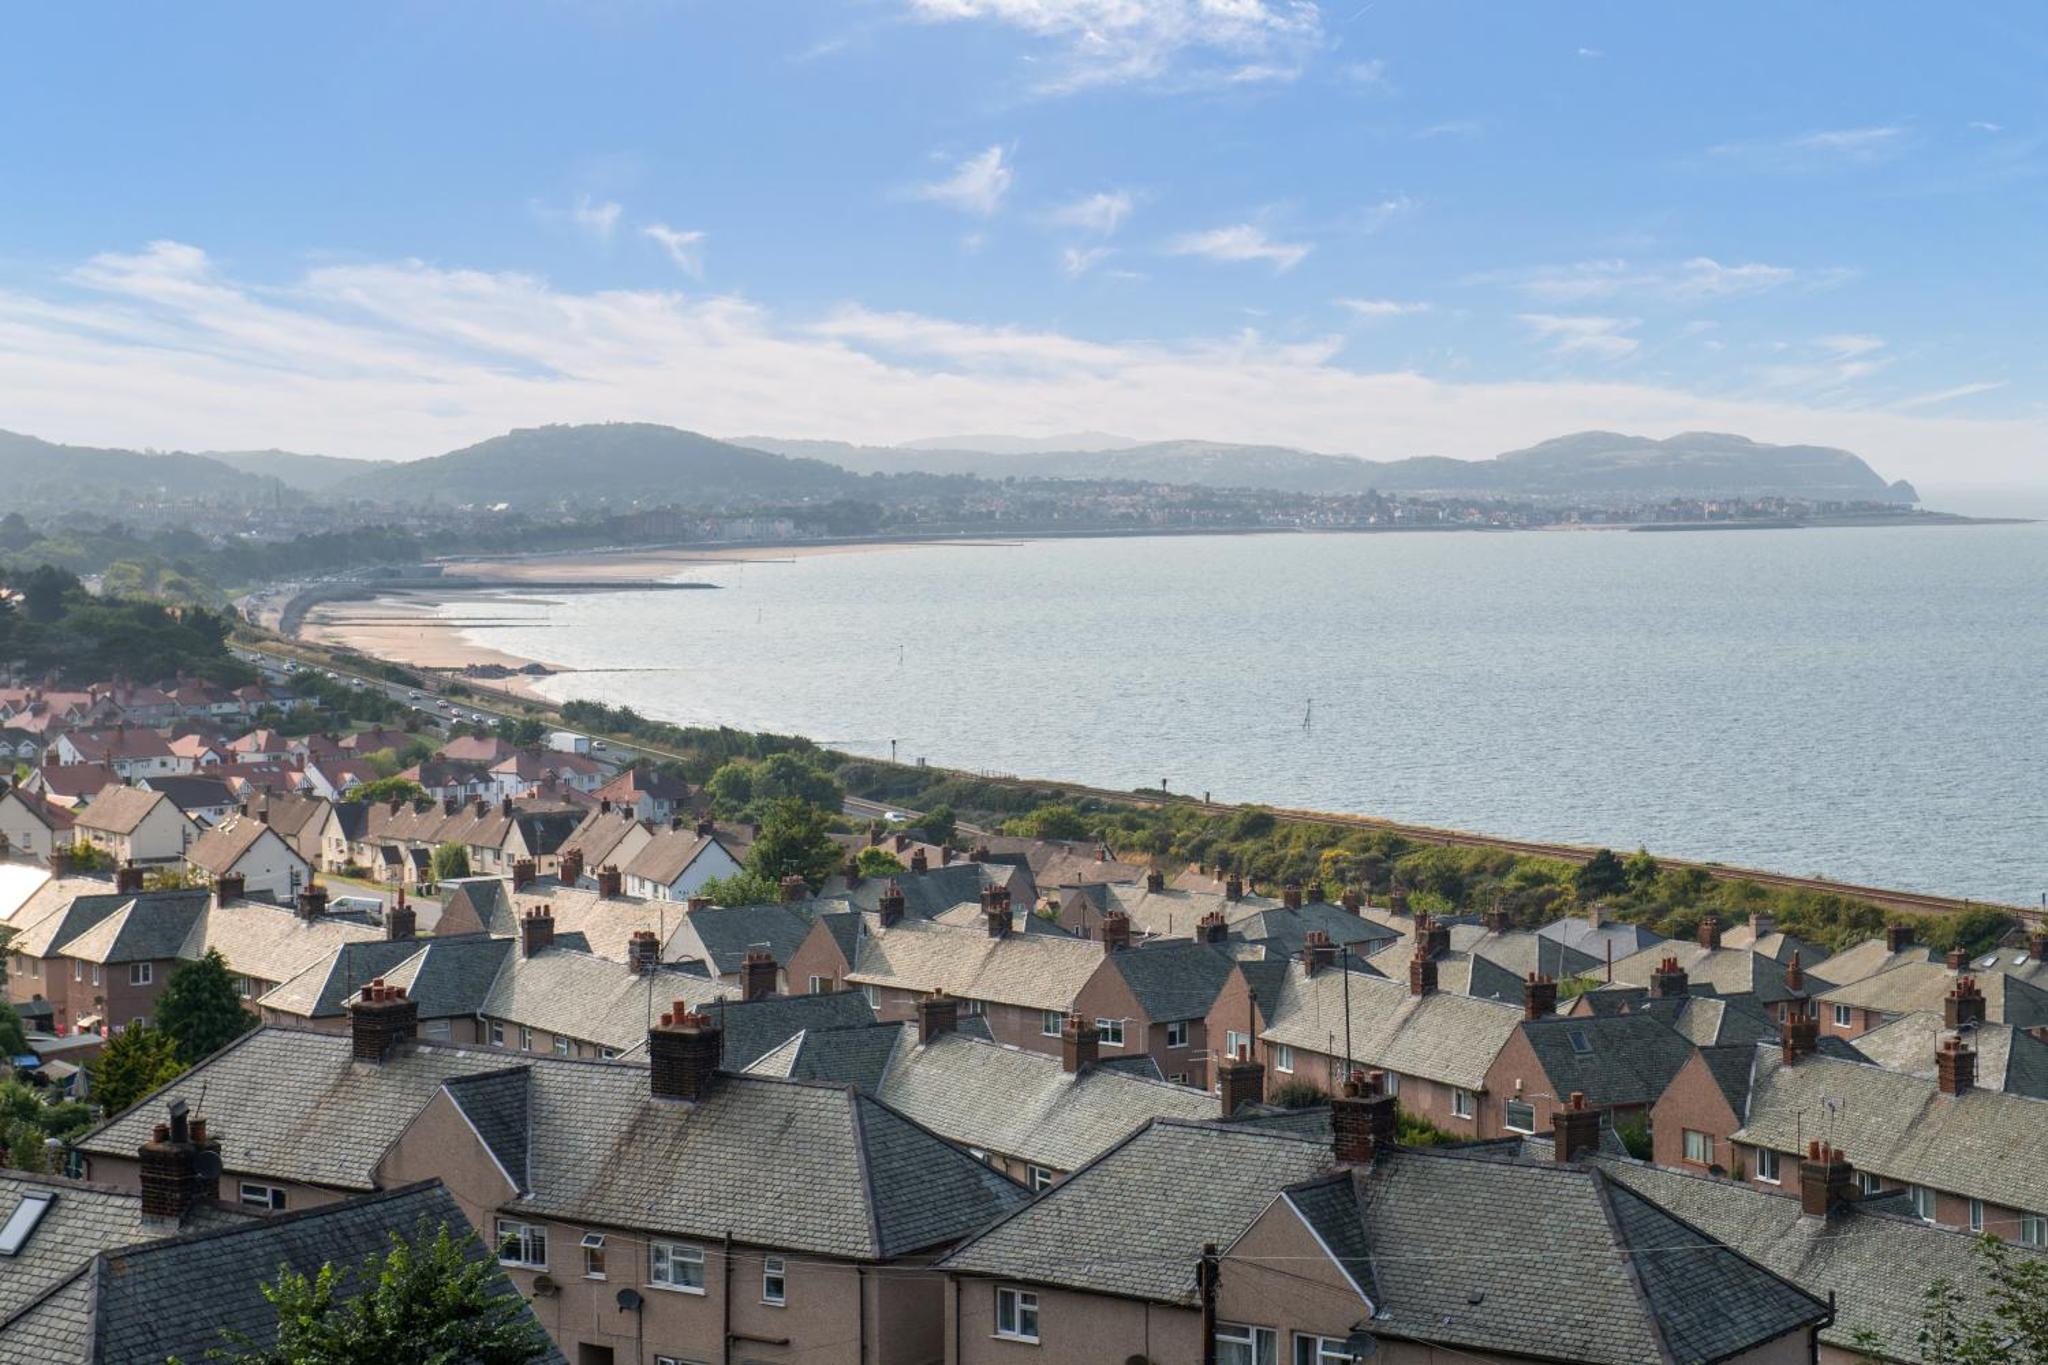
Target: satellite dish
{"x":1362,"y":1345}
{"x":206,"y":1164}
{"x":630,"y":1300}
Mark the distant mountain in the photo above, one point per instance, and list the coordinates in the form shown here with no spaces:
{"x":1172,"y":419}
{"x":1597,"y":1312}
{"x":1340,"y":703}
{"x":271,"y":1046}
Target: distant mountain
{"x":307,"y":473}
{"x":1024,"y":445}
{"x":619,"y":464}
{"x":42,"y":474}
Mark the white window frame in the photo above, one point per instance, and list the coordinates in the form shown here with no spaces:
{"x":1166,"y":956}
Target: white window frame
{"x":1022,"y":1315}
{"x":530,"y":1237}
{"x":1767,"y":1167}
{"x":874,"y":996}
{"x":525,"y":1038}
{"x":1976,"y":1215}
{"x":497,"y":1033}
{"x":1868,"y":1183}
{"x":1696,"y":1147}
{"x":1177,"y":1034}
{"x":78,"y":969}
{"x":95,"y":973}
{"x":253,"y":1194}
{"x":774,"y":1281}
{"x":1109,"y":1032}
{"x":820,"y":986}
{"x":1461,"y":1103}
{"x":1263,"y":1343}
{"x":2033,"y":1230}
{"x":1038,"y":1177}
{"x":1232,"y":1042}
{"x":1844,"y":1016}
{"x":970,"y":1008}
{"x":1393,"y":1082}
{"x":593,"y":1264}
{"x":1507,"y":1116}
{"x":1051,"y":1023}
{"x":1314,"y":1350}
{"x":1283,"y":1058}
{"x":1922,"y":1195}
{"x":663,"y":1259}
{"x":562,"y":1048}
{"x":141,"y":973}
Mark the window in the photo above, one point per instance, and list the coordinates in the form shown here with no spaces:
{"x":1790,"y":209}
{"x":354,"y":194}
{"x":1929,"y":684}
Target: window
{"x":1283,"y":1058}
{"x":525,"y":1038}
{"x":497,"y":1033}
{"x":1050,"y":1023}
{"x":676,"y":1265}
{"x":874,"y":996}
{"x":1923,"y":1202}
{"x":1238,"y":1345}
{"x":608,"y":1053}
{"x":1177,"y":1034}
{"x":1699,"y":1148}
{"x":1461,"y":1104}
{"x":244,"y":987}
{"x":78,"y":969}
{"x":1976,"y":1215}
{"x":593,"y":1255}
{"x":95,"y":973}
{"x":821,"y":985}
{"x":2033,"y":1230}
{"x":1393,"y":1083}
{"x":1581,"y":1044}
{"x":1179,"y":1078}
{"x":523,"y":1244}
{"x":1321,"y":1351}
{"x":774,"y":1282}
{"x":141,"y":973}
{"x":1867,"y":1183}
{"x":973,"y":1009}
{"x":1017,"y":1314}
{"x":438,"y":1028}
{"x":254,"y":1196}
{"x":1109,"y":1032}
{"x":1041,"y":1178}
{"x":1767,"y":1165}
{"x":1518,"y":1117}
{"x":561,"y":1046}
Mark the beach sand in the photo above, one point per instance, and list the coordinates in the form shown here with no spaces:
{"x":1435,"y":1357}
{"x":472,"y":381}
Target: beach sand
{"x":403,"y":628}
{"x":651,"y":565}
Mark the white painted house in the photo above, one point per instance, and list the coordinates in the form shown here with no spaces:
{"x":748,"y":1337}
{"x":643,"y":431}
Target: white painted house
{"x":132,"y":825}
{"x":675,"y":863}
{"x":244,"y":846}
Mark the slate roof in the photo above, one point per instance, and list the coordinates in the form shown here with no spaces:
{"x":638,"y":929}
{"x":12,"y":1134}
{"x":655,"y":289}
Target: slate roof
{"x":495,"y":1103}
{"x":1705,"y":1019}
{"x":1620,"y":1281}
{"x":220,"y":848}
{"x":1982,"y":1144}
{"x":81,"y":1221}
{"x":119,"y":809}
{"x":858,"y":1056}
{"x":192,"y":791}
{"x":1772,"y":943}
{"x":1877,"y":1265}
{"x":1594,"y":940}
{"x":1732,"y":1067}
{"x":1922,"y":986}
{"x":601,"y":832}
{"x":2008,"y":1058}
{"x":756,"y":1027}
{"x":1177,"y":979}
{"x":1282,"y":931}
{"x":268,"y":942}
{"x":1057,"y":862}
{"x":668,"y":855}
{"x":1729,"y":971}
{"x":722,"y":935}
{"x":591,"y":999}
{"x":151,"y":927}
{"x":925,"y":894}
{"x":1516,"y":953}
{"x":1036,"y":971}
{"x":1621,"y":1060}
{"x":140,"y":1305}
{"x":445,"y":977}
{"x":1868,"y":958}
{"x":1132,"y":1222}
{"x":1443,"y":1037}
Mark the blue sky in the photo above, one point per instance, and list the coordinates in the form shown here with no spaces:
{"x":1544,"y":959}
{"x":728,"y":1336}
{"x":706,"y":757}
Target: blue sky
{"x":1389,"y":228}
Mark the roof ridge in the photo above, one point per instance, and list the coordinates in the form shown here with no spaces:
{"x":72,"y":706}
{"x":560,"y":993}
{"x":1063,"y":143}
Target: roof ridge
{"x":1603,"y":1196}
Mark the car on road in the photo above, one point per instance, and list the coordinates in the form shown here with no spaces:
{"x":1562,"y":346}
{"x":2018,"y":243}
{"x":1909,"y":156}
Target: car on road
{"x":355,"y":904}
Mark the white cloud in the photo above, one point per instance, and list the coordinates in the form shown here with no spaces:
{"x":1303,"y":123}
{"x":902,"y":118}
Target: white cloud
{"x":1578,"y":334}
{"x":1169,"y":43}
{"x":1591,"y":53}
{"x":977,"y":184}
{"x":686,"y":249}
{"x":1077,"y":261}
{"x":1861,"y":146}
{"x":1848,"y":141}
{"x":1240,"y":242}
{"x":1385,"y":308}
{"x":1928,"y":400}
{"x":599,"y":220}
{"x":165,"y":347}
{"x":1370,"y":75}
{"x":1373,"y":217}
{"x":1831,"y":363}
{"x":1692,"y":281}
{"x":1849,"y":345}
{"x":1100,"y":213}
{"x":1986,"y":126}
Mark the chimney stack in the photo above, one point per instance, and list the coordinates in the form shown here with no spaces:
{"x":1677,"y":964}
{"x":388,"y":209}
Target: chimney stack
{"x":569,"y":870}
{"x":1351,"y":900}
{"x":505,"y":805}
{"x":1955,"y":1065}
{"x":794,"y":890}
{"x":1422,"y":966}
{"x":229,"y":886}
{"x":1964,"y":1006}
{"x":611,"y":883}
{"x":945,"y":855}
{"x":1539,"y":996}
{"x":1362,"y":1119}
{"x":1080,"y":1045}
{"x":1802,"y":1033}
{"x":1710,"y":931}
{"x":450,"y":804}
{"x":2037,"y":945}
{"x":995,"y":911}
{"x":1496,"y":919}
{"x":60,"y":858}
{"x":706,"y":827}
{"x":850,"y":871}
{"x":919,"y":864}
{"x":400,"y":920}
{"x":380,"y":1018}
{"x":312,"y":901}
{"x":684,"y":1050}
{"x":1116,"y":932}
{"x":937,"y":1013}
{"x":1957,"y":959}
{"x":1212,"y":928}
{"x":1155,"y":881}
{"x":1795,"y":976}
{"x":1898,"y":937}
{"x":1317,"y":952}
{"x":1240,"y":1081}
{"x":1669,"y":982}
{"x":536,"y":931}
{"x":1761,"y":927}
{"x":643,"y":952}
{"x":1574,"y":1130}
{"x":1824,"y":1180}
{"x":757,"y":974}
{"x":1290,"y":894}
{"x":696,"y":903}
{"x":1233,"y":888}
{"x":169,"y":1171}
{"x":128,"y":879}
{"x":523,"y":873}
{"x":890,"y":906}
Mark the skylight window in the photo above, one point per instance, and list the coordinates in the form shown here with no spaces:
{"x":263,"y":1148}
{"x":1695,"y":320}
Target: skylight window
{"x":22,"y":1221}
{"x":1581,"y":1044}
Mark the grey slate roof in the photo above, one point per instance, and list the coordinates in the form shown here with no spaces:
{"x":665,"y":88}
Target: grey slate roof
{"x":722,"y":934}
{"x":1594,"y":940}
{"x":924,"y":895}
{"x":153,"y":926}
{"x":1868,"y":958}
{"x":1282,"y":931}
{"x":1621,"y":1060}
{"x":220,"y":848}
{"x":1706,"y":1019}
{"x":192,"y":791}
{"x":756,"y":1027}
{"x":858,"y":1056}
{"x":495,"y":1103}
{"x":446,"y":977}
{"x":1923,"y":986}
{"x":1132,"y":1222}
{"x":2008,"y":1059}
{"x":119,"y":809}
{"x":1877,"y":1265}
{"x":141,"y":1304}
{"x":1729,"y":971}
{"x":1443,"y":1037}
{"x":591,"y":999}
{"x":1173,"y":979}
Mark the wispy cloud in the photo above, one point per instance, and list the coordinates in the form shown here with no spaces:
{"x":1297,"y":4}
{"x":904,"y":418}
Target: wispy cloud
{"x":1849,"y":345}
{"x":600,"y":220}
{"x":1986,"y":126}
{"x":1370,"y":75}
{"x":1822,"y":146}
{"x":1828,"y":364}
{"x":1699,"y":279}
{"x":977,"y":185}
{"x":685,"y":248}
{"x":1076,"y":261}
{"x":1373,"y":217}
{"x":1100,"y":213}
{"x":1240,"y":242}
{"x":1385,"y":308}
{"x":1591,"y":53}
{"x":1939,"y":396}
{"x":1578,"y":334}
{"x":1162,"y":43}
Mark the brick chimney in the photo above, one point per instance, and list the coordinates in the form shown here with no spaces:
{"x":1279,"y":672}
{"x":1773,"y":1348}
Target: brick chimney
{"x":60,"y":858}
{"x":2037,"y":945}
{"x":570,"y":870}
{"x":1802,"y":1034}
{"x":696,"y":903}
{"x":643,"y":952}
{"x":899,"y":842}
{"x":1761,"y":927}
{"x":229,"y":886}
{"x":1212,"y":928}
{"x":1496,"y":919}
{"x":169,"y":1171}
{"x":1898,"y":937}
{"x":523,"y":873}
{"x":945,"y":855}
{"x":1290,"y":894}
{"x":937,"y":1013}
{"x":706,"y":827}
{"x":850,"y":870}
{"x":919,"y":864}
{"x":312,"y":901}
{"x":536,"y":931}
{"x":1351,"y":900}
{"x":1574,"y":1130}
{"x":675,"y":822}
{"x":1317,"y":952}
{"x":450,"y":804}
{"x":611,"y":883}
{"x":1422,"y":966}
{"x":890,"y":906}
{"x":1362,"y":1119}
{"x":794,"y":889}
{"x":505,"y":805}
{"x":1080,"y":1046}
{"x":1439,"y":938}
{"x":1240,"y":1080}
{"x":1155,"y":881}
{"x":684,"y":1050}
{"x":1539,"y":996}
{"x":1116,"y":931}
{"x":1964,"y":1006}
{"x":1795,"y":976}
{"x":1957,"y":959}
{"x":979,"y":854}
{"x":128,"y":879}
{"x":1233,"y":888}
{"x":380,"y":1018}
{"x":1710,"y":931}
{"x":1955,"y":1066}
{"x":757,"y":974}
{"x":1669,"y":981}
{"x":1825,"y":1177}
{"x":995,"y":911}
{"x":400,"y":921}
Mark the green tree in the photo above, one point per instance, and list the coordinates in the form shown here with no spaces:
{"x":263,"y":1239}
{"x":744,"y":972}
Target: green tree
{"x":388,"y":788}
{"x":795,"y":842}
{"x":940,"y":824}
{"x":13,"y":1038}
{"x":89,"y":857}
{"x":527,"y":733}
{"x":431,"y":1298}
{"x":1602,"y":875}
{"x":450,"y":860}
{"x":1641,"y":870}
{"x":134,"y":1062}
{"x":878,"y":862}
{"x":1056,"y":821}
{"x":201,"y":1010}
{"x":741,"y":888}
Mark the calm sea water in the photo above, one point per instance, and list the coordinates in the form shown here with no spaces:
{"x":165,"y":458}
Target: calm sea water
{"x":1860,"y":704}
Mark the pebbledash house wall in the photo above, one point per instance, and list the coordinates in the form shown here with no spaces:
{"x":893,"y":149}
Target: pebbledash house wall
{"x":68,"y":985}
{"x":830,"y":1307}
{"x":1106,"y":995}
{"x":124,"y":1173}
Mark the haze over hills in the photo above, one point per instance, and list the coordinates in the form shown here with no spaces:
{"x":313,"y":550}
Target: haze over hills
{"x":307,"y":473}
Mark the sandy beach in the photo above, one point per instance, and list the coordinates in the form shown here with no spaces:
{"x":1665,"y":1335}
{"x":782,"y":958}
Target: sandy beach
{"x":404,"y":628}
{"x":653,"y":565}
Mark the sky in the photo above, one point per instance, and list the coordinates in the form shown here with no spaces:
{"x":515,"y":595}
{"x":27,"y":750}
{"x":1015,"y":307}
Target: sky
{"x":1380,"y":227}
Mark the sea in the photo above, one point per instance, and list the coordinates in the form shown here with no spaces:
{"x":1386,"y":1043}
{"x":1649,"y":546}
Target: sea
{"x":1863,"y":704}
